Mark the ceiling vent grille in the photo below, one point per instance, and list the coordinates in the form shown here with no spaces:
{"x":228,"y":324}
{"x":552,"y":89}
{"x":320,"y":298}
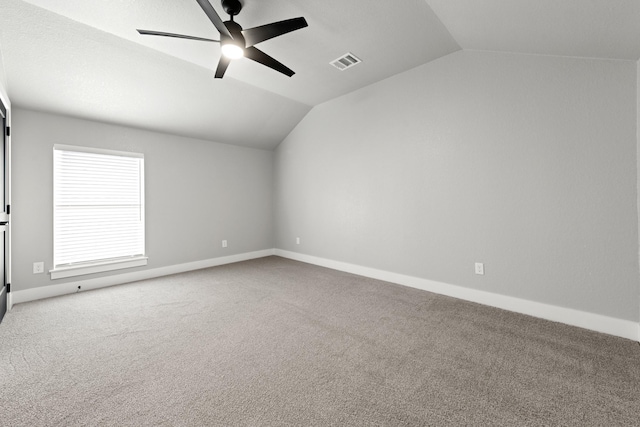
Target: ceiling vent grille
{"x":345,"y":61}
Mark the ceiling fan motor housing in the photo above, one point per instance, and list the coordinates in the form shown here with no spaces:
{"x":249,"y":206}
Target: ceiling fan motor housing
{"x":232,"y":7}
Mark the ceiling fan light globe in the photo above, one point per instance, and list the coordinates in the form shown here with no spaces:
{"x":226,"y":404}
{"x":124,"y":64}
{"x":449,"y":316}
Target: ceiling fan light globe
{"x":232,"y":51}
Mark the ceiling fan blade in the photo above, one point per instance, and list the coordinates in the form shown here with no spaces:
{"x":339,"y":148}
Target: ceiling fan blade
{"x":259,"y":34}
{"x":179,"y":36}
{"x":259,"y":56}
{"x":214,"y":17}
{"x":222,"y":66}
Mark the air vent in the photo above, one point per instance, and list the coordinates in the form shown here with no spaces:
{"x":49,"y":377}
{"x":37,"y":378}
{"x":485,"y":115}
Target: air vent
{"x":345,"y":61}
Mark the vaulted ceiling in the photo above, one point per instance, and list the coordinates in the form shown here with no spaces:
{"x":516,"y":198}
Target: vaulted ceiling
{"x":84,"y":58}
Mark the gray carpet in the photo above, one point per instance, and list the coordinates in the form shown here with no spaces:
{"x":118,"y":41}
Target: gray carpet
{"x":273,"y":342}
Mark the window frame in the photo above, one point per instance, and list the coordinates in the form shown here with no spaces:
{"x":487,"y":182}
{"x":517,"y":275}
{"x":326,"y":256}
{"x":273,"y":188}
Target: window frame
{"x":102,"y":265}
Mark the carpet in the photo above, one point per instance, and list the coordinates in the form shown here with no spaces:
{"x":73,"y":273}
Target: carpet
{"x":275,"y":342}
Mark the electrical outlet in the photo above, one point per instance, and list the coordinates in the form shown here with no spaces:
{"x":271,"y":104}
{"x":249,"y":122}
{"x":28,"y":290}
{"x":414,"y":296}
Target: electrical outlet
{"x":297,"y":240}
{"x":38,"y":267}
{"x":224,"y":243}
{"x":479,"y":268}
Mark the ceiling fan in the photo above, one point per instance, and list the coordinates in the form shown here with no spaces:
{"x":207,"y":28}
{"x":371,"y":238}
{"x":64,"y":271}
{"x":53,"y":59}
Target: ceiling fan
{"x":237,"y":42}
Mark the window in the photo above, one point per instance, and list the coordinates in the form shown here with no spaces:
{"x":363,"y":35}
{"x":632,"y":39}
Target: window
{"x":98,"y":212}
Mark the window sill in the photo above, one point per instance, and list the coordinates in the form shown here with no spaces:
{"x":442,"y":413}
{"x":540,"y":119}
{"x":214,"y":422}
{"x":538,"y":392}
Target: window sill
{"x":99,"y":267}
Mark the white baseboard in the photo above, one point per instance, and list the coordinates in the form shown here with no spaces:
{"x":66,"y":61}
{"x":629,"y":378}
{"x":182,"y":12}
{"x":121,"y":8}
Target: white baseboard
{"x":118,"y":279}
{"x":595,"y":322}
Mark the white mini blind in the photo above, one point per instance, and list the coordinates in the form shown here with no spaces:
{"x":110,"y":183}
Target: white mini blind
{"x":98,"y":205}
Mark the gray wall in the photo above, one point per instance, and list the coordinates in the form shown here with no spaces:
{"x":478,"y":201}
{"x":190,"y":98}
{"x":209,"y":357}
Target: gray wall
{"x":526,"y":163}
{"x":197,"y":193}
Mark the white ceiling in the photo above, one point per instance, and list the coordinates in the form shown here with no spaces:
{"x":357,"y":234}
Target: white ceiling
{"x":84,"y":58}
{"x":581,"y":28}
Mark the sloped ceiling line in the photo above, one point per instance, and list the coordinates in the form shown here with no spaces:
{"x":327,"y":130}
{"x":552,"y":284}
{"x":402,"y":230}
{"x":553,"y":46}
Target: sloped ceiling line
{"x":85,"y":59}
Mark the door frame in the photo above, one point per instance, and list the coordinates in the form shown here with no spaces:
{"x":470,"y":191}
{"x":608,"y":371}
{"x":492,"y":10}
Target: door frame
{"x":6,"y":107}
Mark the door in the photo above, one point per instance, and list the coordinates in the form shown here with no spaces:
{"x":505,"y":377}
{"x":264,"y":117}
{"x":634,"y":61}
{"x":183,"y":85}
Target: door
{"x":4,"y":212}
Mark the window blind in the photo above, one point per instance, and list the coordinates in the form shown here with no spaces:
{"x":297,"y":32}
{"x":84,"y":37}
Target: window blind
{"x":98,"y":205}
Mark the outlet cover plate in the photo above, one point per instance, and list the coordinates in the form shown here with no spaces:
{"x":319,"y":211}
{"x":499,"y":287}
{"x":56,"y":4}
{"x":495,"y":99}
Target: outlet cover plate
{"x":38,"y":267}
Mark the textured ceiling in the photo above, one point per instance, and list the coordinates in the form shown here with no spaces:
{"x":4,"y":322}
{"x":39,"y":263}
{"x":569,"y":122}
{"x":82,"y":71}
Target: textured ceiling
{"x":84,"y":58}
{"x":581,"y":28}
{"x":366,"y":28}
{"x":55,"y":64}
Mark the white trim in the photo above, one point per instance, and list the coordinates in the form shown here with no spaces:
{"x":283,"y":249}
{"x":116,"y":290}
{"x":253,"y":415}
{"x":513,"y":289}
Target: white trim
{"x":596,"y":322}
{"x":7,"y":159}
{"x":97,"y":267}
{"x":93,"y":150}
{"x":101,"y":282}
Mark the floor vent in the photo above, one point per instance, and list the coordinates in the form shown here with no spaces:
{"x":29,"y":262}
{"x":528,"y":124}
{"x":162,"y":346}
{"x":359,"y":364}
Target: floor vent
{"x":345,"y":61}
